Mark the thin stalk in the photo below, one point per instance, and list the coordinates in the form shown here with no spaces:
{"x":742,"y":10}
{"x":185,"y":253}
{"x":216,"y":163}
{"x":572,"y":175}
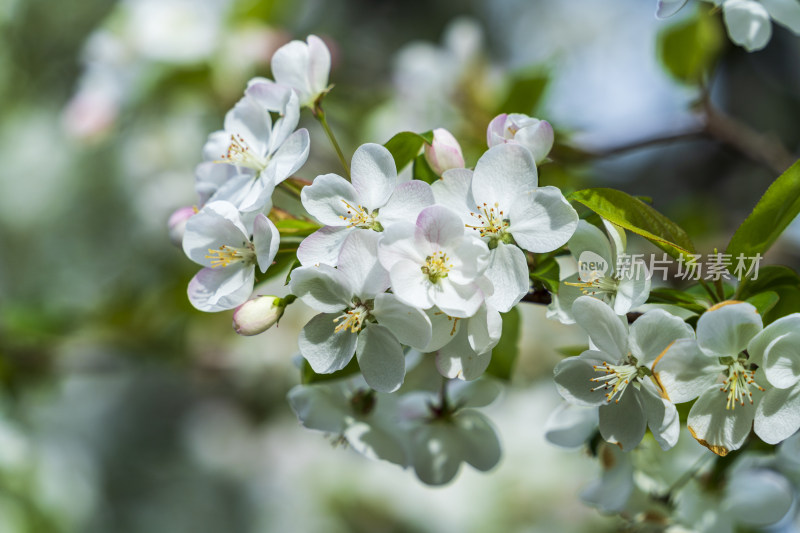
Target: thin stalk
{"x":319,"y":114}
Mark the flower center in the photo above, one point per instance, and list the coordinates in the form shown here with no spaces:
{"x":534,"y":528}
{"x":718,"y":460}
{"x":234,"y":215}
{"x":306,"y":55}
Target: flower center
{"x":616,"y":378}
{"x":436,"y":266}
{"x":360,"y":217}
{"x":737,"y":384}
{"x":491,"y":224}
{"x":227,"y":255}
{"x":352,"y":320}
{"x":596,"y":284}
{"x":239,"y":154}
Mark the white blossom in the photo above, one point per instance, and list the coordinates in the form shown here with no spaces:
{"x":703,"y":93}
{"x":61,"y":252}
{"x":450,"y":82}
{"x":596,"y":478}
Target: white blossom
{"x":305,"y":67}
{"x":217,"y":239}
{"x":616,"y":373}
{"x":515,"y":128}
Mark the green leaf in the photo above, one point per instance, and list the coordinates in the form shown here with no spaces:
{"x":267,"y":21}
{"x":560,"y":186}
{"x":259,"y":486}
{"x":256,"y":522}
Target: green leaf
{"x":285,"y":261}
{"x":770,"y":217}
{"x":296,"y":227}
{"x":423,"y":171}
{"x":572,"y":350}
{"x":789,"y":303}
{"x":676,"y":297}
{"x":690,"y":48}
{"x":769,"y":278}
{"x":308,"y":376}
{"x":405,"y":146}
{"x":764,"y":302}
{"x":524,"y":93}
{"x":504,"y":355}
{"x":547,"y":272}
{"x":634,"y":215}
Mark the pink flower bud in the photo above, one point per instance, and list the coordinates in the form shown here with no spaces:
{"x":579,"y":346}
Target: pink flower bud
{"x":177,"y":224}
{"x":534,"y":134}
{"x":258,"y":314}
{"x":444,"y":153}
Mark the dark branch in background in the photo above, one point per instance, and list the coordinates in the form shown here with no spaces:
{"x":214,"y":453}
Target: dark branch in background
{"x":762,"y":148}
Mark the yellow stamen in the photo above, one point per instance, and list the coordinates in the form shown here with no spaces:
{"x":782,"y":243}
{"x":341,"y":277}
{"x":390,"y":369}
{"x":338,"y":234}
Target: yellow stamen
{"x":228,"y":255}
{"x":436,"y":266}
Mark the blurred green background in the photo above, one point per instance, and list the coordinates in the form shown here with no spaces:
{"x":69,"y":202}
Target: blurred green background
{"x":124,"y":409}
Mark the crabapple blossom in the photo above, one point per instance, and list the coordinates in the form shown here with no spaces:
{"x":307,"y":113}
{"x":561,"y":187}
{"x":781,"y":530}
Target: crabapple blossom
{"x":467,"y":348}
{"x":435,"y":262}
{"x":264,"y":154}
{"x":515,"y":128}
{"x":217,"y":239}
{"x":622,"y":291}
{"x":357,"y":316}
{"x":501,"y":202}
{"x":305,"y":67}
{"x":723,"y":414}
{"x":259,"y":314}
{"x":373,"y":201}
{"x":619,"y":364}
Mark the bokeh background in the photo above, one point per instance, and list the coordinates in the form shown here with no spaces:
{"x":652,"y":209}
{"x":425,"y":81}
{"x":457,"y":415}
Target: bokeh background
{"x":124,"y":409}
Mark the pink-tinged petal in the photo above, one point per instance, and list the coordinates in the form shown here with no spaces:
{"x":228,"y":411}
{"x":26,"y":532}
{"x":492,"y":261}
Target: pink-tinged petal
{"x":374,"y":175}
{"x":410,"y":284}
{"x":358,"y":261}
{"x":504,"y":174}
{"x":319,"y":64}
{"x":508,"y":272}
{"x":268,"y":94}
{"x":407,"y":201}
{"x":323,"y":246}
{"x":220,"y":289}
{"x":380,"y":358}
{"x":542,"y":221}
{"x":325,"y":349}
{"x":410,"y":325}
{"x":445,"y":152}
{"x":331,"y":199}
{"x":726,"y":329}
{"x":537,"y":137}
{"x":322,"y":288}
{"x":439,"y":226}
{"x":494,"y":133}
{"x":266,"y":240}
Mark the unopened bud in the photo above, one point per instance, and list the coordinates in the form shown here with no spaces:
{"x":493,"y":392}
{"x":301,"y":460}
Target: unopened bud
{"x":534,"y":134}
{"x":177,"y":224}
{"x":259,"y":314}
{"x":444,"y":153}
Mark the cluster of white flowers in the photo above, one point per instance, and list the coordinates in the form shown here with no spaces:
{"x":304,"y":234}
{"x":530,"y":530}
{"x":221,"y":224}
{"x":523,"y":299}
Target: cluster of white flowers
{"x":749,"y":22}
{"x":413,"y":278}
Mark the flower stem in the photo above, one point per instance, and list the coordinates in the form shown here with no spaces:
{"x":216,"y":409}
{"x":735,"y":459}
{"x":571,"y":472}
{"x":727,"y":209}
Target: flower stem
{"x":319,"y":114}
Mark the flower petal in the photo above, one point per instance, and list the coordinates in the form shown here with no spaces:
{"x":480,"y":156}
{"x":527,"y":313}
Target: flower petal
{"x":759,"y":497}
{"x":407,"y":201}
{"x":481,"y":447}
{"x":330,"y":199}
{"x":604,"y":327}
{"x":326,"y":350}
{"x":323,"y":246}
{"x":220,"y":289}
{"x":633,"y":289}
{"x":667,"y":8}
{"x":323,"y":288}
{"x":410,"y":325}
{"x":758,"y":345}
{"x":719,"y":429}
{"x":778,"y":415}
{"x":542,"y":221}
{"x":455,"y":299}
{"x":574,"y":375}
{"x":458,"y":360}
{"x":358,"y":261}
{"x":726,"y":329}
{"x":508,"y":272}
{"x":570,"y":426}
{"x":380,"y":358}
{"x":320,"y":407}
{"x":588,"y":237}
{"x":440,"y":226}
{"x":653,"y":332}
{"x":266,"y":240}
{"x":410,"y":285}
{"x":748,"y":23}
{"x":662,"y":416}
{"x":623,"y":422}
{"x":684,"y":372}
{"x":503,"y":174}
{"x":484,"y":329}
{"x":373,"y":174}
